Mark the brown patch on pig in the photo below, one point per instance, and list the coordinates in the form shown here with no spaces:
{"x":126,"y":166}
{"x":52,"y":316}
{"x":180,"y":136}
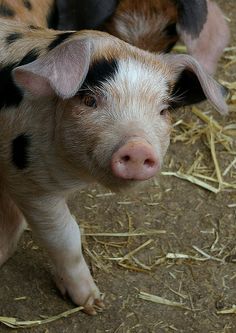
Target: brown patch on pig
{"x":145,"y":24}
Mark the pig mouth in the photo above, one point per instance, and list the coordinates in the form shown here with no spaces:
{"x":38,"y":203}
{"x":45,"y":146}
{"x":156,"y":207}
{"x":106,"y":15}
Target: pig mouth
{"x":118,"y":185}
{"x":125,"y":186}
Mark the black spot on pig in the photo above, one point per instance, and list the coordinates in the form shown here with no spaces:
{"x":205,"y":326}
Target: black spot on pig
{"x":59,"y":39}
{"x":13,"y":37}
{"x":170,"y":30}
{"x":192,"y":15}
{"x":53,"y":17}
{"x":187,"y":90}
{"x":20,"y":151}
{"x":101,"y":71}
{"x":6,"y":11}
{"x":27,"y":4}
{"x":10,"y":94}
{"x":31,"y":56}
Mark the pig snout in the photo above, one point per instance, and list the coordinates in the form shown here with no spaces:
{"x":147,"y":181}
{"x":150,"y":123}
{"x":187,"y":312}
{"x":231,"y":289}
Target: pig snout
{"x":135,"y":160}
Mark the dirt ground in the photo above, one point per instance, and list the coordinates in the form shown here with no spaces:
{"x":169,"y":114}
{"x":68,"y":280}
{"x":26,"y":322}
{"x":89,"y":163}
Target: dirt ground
{"x":192,"y":219}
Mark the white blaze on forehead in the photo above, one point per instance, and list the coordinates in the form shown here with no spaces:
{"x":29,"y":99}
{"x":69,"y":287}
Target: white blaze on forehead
{"x":134,"y":77}
{"x":136,"y":94}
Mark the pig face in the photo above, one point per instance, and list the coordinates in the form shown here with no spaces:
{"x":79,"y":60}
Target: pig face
{"x":116,"y":128}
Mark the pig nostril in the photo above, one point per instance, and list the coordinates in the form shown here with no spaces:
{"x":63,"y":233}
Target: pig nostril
{"x":135,"y":161}
{"x":125,"y":158}
{"x":149,"y":163}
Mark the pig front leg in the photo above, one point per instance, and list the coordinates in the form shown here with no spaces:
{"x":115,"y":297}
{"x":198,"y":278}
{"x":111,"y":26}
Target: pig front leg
{"x":12,"y":224}
{"x":59,"y":233}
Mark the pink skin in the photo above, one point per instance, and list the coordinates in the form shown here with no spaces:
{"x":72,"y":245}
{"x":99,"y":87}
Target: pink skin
{"x":214,"y":37}
{"x":135,"y":160}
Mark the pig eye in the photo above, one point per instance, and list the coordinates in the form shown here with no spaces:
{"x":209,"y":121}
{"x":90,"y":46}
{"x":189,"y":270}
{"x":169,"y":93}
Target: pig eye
{"x":90,"y":101}
{"x":164,"y":112}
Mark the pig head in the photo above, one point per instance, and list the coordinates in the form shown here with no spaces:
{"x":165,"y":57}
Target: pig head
{"x":116,"y":107}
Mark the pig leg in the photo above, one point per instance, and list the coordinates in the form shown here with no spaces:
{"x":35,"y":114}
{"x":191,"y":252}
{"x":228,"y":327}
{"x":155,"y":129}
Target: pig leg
{"x":12,"y":224}
{"x":59,"y":233}
{"x":206,"y":44}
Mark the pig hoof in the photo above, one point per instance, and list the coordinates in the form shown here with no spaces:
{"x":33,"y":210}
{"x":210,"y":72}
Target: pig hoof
{"x":83,"y":292}
{"x":93,"y":305}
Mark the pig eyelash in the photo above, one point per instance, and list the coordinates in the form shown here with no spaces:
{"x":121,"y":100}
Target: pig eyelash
{"x":89,"y":101}
{"x":164,"y":112}
{"x":164,"y":109}
{"x":177,"y":96}
{"x":87,"y":97}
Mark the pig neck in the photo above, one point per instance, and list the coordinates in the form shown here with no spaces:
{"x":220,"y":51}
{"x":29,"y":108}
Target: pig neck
{"x":62,"y":173}
{"x":56,"y":174}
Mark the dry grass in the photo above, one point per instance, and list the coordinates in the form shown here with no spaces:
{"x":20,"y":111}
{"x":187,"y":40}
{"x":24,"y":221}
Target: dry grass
{"x":15,"y":323}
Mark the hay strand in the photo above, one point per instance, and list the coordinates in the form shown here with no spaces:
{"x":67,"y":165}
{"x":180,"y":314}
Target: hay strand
{"x":161,"y":300}
{"x":16,"y":323}
{"x":227,"y":311}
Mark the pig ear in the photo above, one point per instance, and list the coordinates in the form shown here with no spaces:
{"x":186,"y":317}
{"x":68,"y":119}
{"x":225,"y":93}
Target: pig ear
{"x":193,"y":84}
{"x":60,"y":72}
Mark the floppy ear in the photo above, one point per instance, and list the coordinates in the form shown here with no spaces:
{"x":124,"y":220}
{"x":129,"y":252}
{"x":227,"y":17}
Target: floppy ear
{"x":60,"y":72}
{"x":193,"y":84}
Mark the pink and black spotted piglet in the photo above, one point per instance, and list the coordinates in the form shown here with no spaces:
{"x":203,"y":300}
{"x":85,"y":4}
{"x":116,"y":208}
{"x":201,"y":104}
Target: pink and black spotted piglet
{"x":78,"y":107}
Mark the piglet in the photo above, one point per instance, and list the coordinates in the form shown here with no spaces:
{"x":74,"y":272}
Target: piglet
{"x":75,"y":108}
